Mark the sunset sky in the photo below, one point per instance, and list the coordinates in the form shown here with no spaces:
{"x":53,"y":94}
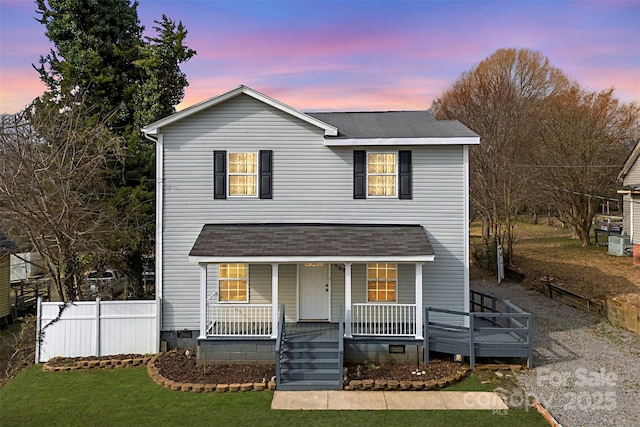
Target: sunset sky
{"x":358,"y":55}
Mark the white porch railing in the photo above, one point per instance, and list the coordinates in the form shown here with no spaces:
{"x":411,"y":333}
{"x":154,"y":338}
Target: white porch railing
{"x":247,"y":320}
{"x":383,"y":319}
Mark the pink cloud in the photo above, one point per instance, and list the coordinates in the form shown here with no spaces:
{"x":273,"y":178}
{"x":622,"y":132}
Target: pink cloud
{"x":18,"y":89}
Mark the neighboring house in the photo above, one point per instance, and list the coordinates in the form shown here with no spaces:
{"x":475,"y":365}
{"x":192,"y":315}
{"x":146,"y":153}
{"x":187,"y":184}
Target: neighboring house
{"x":629,"y":178}
{"x":361,"y":216}
{"x":7,"y":247}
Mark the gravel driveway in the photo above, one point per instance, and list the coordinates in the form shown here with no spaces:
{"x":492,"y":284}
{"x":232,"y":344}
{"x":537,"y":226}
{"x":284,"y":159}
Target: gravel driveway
{"x":586,"y":371}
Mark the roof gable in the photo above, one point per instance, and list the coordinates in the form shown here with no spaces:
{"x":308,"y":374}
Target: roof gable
{"x":154,"y":128}
{"x":631,"y":160}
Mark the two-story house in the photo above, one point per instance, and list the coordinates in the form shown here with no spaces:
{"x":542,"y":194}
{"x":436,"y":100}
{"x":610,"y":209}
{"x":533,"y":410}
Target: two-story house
{"x":354,"y":221}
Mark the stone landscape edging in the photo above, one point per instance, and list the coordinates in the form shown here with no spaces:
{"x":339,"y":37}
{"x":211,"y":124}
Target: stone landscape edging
{"x":98,"y":364}
{"x":152,"y":370}
{"x":372,"y":385}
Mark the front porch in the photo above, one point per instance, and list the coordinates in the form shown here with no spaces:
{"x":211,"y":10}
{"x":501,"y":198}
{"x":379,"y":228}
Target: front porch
{"x":373,"y":273}
{"x":366,"y":320}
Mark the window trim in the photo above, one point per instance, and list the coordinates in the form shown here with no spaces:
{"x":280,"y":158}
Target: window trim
{"x":396,"y":160}
{"x":367,"y":279}
{"x":256,"y":175}
{"x":246,"y":300}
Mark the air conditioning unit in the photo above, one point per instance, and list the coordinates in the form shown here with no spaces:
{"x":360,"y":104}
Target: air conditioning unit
{"x":620,"y":246}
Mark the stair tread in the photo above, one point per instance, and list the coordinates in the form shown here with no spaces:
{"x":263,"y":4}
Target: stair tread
{"x":321,"y":361}
{"x":294,"y":371}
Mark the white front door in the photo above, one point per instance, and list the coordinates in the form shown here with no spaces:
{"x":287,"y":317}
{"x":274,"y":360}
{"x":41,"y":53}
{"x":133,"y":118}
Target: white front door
{"x":314,"y":292}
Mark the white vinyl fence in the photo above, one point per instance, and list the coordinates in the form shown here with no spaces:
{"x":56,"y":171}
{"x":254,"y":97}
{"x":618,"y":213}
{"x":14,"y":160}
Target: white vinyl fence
{"x":97,"y":328}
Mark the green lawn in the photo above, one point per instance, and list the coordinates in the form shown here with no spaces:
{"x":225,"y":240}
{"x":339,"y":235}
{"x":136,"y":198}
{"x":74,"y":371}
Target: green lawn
{"x":128,"y":397}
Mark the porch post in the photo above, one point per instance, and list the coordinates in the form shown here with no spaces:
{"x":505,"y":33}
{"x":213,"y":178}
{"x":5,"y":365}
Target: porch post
{"x":419,"y":301}
{"x":274,"y":300}
{"x":203,"y":301}
{"x":347,"y":300}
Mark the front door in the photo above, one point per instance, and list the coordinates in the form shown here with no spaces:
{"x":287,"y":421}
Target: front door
{"x":314,"y":292}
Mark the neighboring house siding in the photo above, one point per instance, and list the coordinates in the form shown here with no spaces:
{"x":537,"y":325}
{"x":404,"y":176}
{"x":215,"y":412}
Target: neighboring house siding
{"x":5,"y":305}
{"x":311,"y":183}
{"x":633,"y":176}
{"x":635,"y":202}
{"x":626,"y":214}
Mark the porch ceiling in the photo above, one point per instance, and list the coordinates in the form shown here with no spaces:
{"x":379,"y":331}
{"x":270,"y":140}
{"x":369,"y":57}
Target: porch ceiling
{"x":311,"y":242}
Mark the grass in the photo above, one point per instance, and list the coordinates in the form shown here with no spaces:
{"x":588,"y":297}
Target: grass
{"x":543,"y":250}
{"x":128,"y":397}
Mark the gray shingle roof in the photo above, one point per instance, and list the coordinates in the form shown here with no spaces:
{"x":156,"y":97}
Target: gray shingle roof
{"x":6,"y":245}
{"x":311,"y":240}
{"x":393,"y":124}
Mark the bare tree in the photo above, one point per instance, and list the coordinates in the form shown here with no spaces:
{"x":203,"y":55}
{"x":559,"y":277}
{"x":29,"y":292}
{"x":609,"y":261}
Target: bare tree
{"x":581,"y":148}
{"x":497,"y":100}
{"x":52,"y":186}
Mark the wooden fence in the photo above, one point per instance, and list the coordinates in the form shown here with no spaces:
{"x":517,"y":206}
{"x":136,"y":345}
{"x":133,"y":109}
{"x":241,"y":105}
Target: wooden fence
{"x":97,"y":328}
{"x":624,"y":314}
{"x":575,"y":300}
{"x":616,"y":311}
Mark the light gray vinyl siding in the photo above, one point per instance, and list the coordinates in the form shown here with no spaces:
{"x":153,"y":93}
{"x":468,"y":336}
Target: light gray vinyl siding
{"x":632,"y":178}
{"x":626,"y":214}
{"x":311,"y":183}
{"x":631,"y":217}
{"x":287,"y":281}
{"x":337,"y":292}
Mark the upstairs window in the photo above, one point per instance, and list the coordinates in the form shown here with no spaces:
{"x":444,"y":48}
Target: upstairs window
{"x":243,"y":174}
{"x":233,"y":282}
{"x":381,"y":174}
{"x":382,"y":279}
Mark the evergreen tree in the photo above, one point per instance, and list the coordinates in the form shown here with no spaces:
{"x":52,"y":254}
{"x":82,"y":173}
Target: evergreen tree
{"x":131,"y":81}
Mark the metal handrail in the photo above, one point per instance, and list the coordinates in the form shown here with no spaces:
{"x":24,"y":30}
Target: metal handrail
{"x":340,"y":344}
{"x":279,"y":349}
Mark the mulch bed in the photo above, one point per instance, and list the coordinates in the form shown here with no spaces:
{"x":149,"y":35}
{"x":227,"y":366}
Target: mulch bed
{"x":437,"y":369}
{"x":177,"y":366}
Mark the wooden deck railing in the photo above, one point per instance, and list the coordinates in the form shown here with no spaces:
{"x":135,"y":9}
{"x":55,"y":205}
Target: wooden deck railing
{"x":383,"y":319}
{"x":495,"y":328}
{"x":247,"y":320}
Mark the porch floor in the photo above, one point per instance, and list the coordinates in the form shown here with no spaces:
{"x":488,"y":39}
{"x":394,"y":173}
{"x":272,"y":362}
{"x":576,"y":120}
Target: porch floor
{"x":312,"y":332}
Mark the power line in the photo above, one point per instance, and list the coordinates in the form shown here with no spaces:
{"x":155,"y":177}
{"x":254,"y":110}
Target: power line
{"x":569,"y":166}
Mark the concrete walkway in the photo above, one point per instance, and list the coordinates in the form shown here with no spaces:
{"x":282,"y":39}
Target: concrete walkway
{"x":381,"y":400}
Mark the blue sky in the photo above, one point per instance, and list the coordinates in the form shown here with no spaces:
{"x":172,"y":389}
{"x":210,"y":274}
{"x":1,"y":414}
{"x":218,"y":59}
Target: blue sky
{"x":358,"y":55}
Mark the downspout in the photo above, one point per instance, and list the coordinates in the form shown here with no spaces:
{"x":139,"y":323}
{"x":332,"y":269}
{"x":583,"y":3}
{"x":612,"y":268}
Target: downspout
{"x":159,"y":169}
{"x":158,"y":267}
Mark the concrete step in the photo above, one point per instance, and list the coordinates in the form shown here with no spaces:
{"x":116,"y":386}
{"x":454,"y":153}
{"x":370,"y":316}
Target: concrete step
{"x":300,"y":385}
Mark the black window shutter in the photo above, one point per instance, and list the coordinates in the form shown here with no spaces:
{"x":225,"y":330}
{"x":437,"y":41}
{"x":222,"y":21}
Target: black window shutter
{"x":404,"y":175}
{"x":265,"y":172}
{"x":219,"y":174}
{"x":359,"y":174}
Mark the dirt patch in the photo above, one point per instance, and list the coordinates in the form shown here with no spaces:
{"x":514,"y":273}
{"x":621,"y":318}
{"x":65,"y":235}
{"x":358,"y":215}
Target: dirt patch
{"x":590,"y":272}
{"x":177,"y":366}
{"x":17,"y":349}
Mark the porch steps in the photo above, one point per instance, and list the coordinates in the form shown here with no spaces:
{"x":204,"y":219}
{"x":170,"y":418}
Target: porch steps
{"x":310,"y":364}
